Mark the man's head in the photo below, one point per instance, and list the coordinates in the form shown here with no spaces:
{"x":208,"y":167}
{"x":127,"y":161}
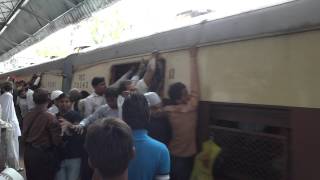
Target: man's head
{"x":135,"y":111}
{"x":84,"y":94}
{"x":63,"y":103}
{"x":6,"y":86}
{"x":154,"y":101}
{"x":22,"y":93}
{"x":40,"y":96}
{"x":126,"y":87}
{"x":178,"y":93}
{"x":75,"y":95}
{"x":109,"y":145}
{"x":111,"y":95}
{"x":99,"y":85}
{"x":55,"y":95}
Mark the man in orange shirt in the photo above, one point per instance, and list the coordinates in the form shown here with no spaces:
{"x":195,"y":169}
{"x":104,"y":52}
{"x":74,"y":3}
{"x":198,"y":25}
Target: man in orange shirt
{"x":183,"y":119}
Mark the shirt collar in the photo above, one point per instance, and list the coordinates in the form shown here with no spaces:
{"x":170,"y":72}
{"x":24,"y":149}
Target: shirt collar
{"x":140,"y":134}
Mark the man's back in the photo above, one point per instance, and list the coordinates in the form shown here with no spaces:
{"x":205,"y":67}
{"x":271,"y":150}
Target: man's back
{"x":152,"y":158}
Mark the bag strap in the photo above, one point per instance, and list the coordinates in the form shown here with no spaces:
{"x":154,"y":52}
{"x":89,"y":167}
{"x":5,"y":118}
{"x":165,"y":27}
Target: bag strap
{"x":31,"y":124}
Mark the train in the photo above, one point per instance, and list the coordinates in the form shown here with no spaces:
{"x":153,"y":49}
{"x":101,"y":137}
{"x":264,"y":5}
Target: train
{"x":259,"y":84}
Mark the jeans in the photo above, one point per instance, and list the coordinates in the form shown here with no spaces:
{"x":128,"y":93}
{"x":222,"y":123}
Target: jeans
{"x":181,"y":167}
{"x":39,"y":164}
{"x":69,"y":169}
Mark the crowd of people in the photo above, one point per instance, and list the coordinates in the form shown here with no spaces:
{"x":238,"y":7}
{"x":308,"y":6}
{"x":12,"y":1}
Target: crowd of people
{"x":123,"y":131}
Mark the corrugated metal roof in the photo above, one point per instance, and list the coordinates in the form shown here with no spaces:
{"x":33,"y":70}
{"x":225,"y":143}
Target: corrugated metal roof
{"x":25,"y":22}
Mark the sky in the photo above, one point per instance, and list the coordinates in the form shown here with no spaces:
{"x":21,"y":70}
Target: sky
{"x":126,"y":20}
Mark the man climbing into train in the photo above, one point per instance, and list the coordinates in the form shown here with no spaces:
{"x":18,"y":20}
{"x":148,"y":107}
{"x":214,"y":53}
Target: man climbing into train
{"x":183,"y":119}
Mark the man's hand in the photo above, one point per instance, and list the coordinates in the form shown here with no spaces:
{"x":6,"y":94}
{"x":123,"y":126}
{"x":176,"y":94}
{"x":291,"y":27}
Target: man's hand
{"x":79,"y":129}
{"x":65,"y":125}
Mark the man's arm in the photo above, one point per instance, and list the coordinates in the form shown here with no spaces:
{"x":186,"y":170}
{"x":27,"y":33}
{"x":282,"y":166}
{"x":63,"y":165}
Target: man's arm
{"x":123,"y":78}
{"x":99,"y":113}
{"x":93,"y":117}
{"x":164,"y":166}
{"x":151,"y":68}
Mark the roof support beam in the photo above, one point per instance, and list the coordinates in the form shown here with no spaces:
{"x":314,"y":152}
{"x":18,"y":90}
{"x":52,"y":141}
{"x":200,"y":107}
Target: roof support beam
{"x":3,"y":51}
{"x":12,"y":46}
{"x":19,"y":30}
{"x":70,"y":3}
{"x":9,"y":41}
{"x":34,"y":14}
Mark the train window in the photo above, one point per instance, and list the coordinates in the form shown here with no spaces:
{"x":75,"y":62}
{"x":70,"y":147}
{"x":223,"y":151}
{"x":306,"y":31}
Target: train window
{"x":254,"y":141}
{"x":117,"y":71}
{"x":157,"y":83}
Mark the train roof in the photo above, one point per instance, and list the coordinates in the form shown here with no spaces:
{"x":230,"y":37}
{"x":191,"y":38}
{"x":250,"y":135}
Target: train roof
{"x":25,"y":22}
{"x":282,"y":19}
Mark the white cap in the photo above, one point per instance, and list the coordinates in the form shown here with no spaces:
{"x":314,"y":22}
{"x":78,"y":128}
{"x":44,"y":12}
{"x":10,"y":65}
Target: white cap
{"x":55,"y":94}
{"x":10,"y":173}
{"x":152,"y":98}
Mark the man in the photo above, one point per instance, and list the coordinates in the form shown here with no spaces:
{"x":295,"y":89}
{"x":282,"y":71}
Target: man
{"x":109,"y":110}
{"x":159,"y":126}
{"x":33,"y":85}
{"x":110,"y":148}
{"x":54,"y":96}
{"x":10,"y":174}
{"x":75,"y":96}
{"x":9,"y":115}
{"x":22,"y":101}
{"x":42,"y":134}
{"x":152,"y":159}
{"x":72,"y":149}
{"x":96,"y":99}
{"x":183,"y":120}
{"x":141,"y":80}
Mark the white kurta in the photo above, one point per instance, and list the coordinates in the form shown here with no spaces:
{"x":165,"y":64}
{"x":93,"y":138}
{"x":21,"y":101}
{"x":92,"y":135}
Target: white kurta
{"x":30,"y":101}
{"x":9,"y":115}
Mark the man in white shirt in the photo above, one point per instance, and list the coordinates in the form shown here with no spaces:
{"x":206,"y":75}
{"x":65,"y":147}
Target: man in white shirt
{"x":29,"y":97}
{"x":54,"y":95}
{"x":135,"y":83}
{"x":33,"y":84}
{"x":9,"y":116}
{"x":96,"y":99}
{"x":22,"y":101}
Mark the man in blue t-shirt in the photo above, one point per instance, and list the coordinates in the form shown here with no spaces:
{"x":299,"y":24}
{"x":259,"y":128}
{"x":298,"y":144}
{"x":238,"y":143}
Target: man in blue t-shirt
{"x":152,"y":159}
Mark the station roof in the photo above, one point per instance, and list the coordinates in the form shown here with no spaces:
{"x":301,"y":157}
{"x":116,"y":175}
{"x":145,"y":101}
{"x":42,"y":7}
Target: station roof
{"x":25,"y":22}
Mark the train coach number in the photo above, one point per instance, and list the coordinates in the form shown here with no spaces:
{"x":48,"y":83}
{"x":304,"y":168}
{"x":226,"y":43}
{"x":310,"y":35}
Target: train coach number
{"x":82,"y":77}
{"x":51,"y":84}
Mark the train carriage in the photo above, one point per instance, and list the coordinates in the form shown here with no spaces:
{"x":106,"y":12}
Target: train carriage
{"x":258,"y":77}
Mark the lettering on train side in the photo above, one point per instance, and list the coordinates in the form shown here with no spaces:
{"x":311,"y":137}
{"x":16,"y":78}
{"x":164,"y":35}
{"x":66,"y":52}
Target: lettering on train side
{"x":51,"y":84}
{"x":171,"y":73}
{"x":81,"y":81}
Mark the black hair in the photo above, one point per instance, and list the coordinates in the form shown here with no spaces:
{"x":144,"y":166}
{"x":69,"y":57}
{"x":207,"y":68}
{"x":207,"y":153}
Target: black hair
{"x":109,"y":140}
{"x":175,"y":91}
{"x":84,"y":94}
{"x":75,"y":95}
{"x":135,"y":111}
{"x":97,"y":80}
{"x":111,"y":92}
{"x":61,"y":96}
{"x":123,"y":85}
{"x":6,"y":86}
{"x":40,"y":96}
{"x":21,"y":90}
